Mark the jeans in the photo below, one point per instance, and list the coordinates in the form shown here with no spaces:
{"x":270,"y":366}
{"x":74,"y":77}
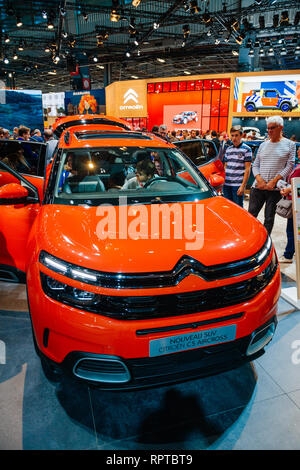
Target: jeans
{"x":290,"y":246}
{"x":259,"y":197}
{"x":230,"y":192}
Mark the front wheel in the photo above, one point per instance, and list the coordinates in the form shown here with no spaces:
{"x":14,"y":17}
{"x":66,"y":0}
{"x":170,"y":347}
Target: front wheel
{"x":250,"y":107}
{"x":285,"y":107}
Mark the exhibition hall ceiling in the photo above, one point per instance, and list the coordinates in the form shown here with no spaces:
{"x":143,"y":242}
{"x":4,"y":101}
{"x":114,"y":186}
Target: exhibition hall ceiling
{"x":42,"y":41}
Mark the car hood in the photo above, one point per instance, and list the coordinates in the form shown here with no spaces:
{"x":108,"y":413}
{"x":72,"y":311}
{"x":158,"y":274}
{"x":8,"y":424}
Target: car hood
{"x":226,"y":233}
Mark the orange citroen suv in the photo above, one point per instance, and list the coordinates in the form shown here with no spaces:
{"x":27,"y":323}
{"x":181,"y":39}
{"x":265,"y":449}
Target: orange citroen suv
{"x":138,"y":273}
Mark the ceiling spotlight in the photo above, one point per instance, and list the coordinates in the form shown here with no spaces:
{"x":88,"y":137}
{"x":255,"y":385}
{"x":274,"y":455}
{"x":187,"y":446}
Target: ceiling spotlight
{"x":114,"y":15}
{"x":186,"y":30}
{"x":62,"y":11}
{"x":21,"y":46}
{"x":47,"y":49}
{"x":234,"y":52}
{"x":136,"y":43}
{"x":162,"y":61}
{"x":186,"y":72}
{"x":136,"y":3}
{"x":297,"y":50}
{"x":155,"y":25}
{"x":194,"y":9}
{"x":183,"y":44}
{"x":19,"y":22}
{"x":64,"y":34}
{"x":44,"y":14}
{"x":85,"y":16}
{"x":6,"y":39}
{"x":15,"y":56}
{"x":128,"y":54}
{"x":261,"y":52}
{"x":217,"y":41}
{"x":50,"y":24}
{"x":207,"y":18}
{"x":6,"y":60}
{"x":95,"y":58}
{"x":271,"y":51}
{"x":284,"y":20}
{"x":283,"y":51}
{"x":134,"y":76}
{"x":138,"y":53}
{"x":251,"y":52}
{"x":56,"y":59}
{"x":131,"y":30}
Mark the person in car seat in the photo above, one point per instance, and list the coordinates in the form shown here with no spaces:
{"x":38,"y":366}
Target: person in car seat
{"x":145,"y":171}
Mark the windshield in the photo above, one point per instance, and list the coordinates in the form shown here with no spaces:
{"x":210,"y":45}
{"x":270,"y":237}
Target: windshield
{"x":139,"y":173}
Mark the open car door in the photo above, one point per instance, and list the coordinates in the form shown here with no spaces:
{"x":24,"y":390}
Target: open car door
{"x":20,"y":200}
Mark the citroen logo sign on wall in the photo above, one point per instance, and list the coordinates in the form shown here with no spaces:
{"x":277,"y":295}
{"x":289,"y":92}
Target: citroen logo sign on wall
{"x":131,"y":95}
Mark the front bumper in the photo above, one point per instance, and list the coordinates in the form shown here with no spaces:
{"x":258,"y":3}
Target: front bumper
{"x":115,"y":373}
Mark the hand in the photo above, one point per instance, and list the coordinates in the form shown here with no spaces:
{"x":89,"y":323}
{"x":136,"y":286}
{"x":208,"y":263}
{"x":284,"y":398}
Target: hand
{"x":261,"y":184}
{"x":270,"y":185}
{"x":285,"y":192}
{"x":241,"y":190}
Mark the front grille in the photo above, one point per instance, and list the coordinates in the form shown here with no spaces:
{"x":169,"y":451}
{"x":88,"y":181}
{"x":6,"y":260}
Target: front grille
{"x":160,"y":306}
{"x":157,"y":306}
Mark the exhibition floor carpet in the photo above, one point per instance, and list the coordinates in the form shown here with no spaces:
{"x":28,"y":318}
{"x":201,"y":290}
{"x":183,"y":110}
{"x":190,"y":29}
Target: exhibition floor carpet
{"x":256,"y":406}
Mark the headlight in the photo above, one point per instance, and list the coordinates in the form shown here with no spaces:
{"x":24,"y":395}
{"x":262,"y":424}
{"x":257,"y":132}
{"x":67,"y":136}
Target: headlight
{"x":67,"y":269}
{"x":68,"y":294}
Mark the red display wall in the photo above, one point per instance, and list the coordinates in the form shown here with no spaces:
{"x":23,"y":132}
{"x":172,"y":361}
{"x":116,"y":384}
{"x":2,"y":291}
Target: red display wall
{"x":208,"y":100}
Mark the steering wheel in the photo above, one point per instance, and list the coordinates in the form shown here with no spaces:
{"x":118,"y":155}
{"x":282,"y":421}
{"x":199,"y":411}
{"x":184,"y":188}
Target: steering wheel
{"x":164,"y":178}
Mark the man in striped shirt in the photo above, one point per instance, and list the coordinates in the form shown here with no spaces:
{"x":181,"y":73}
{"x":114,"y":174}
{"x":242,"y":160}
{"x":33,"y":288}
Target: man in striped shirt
{"x":237,"y":162}
{"x":274,"y":161}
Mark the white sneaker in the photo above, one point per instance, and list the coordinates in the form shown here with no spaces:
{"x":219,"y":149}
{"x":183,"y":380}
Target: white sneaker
{"x":283,"y":259}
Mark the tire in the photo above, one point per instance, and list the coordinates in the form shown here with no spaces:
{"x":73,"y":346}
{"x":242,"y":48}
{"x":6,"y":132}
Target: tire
{"x":285,"y":107}
{"x":250,"y":107}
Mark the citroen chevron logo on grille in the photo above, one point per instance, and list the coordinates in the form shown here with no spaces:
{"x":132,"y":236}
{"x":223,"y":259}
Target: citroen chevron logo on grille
{"x":130,"y":95}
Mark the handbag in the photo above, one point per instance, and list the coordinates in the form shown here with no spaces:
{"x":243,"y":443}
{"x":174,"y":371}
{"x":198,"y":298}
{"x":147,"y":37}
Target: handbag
{"x":284,"y":208}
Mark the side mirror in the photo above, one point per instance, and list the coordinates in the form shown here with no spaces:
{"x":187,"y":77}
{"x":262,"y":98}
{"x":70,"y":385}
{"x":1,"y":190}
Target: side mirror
{"x":13,"y":193}
{"x":216,"y":180}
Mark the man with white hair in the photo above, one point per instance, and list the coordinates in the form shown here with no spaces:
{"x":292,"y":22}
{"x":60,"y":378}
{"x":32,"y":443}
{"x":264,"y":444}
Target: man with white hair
{"x":274,"y":161}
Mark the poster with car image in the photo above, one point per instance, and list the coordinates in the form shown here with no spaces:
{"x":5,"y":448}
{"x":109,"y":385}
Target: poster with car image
{"x":182,"y":117}
{"x":272,"y":94}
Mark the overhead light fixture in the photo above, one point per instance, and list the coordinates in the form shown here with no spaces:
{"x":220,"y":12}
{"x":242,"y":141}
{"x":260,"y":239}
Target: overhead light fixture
{"x":95,"y":58}
{"x":47,"y":49}
{"x":64,"y":34}
{"x":44,"y":14}
{"x":6,"y":60}
{"x":270,"y":51}
{"x":186,"y":31}
{"x":159,"y":59}
{"x":297,"y":50}
{"x":284,"y":20}
{"x":19,"y":22}
{"x":85,"y":16}
{"x":207,"y":18}
{"x":183,"y":44}
{"x":134,"y":76}
{"x":155,"y":25}
{"x":50,"y":24}
{"x":283,"y":51}
{"x":62,"y":11}
{"x":56,"y":58}
{"x":234,"y":52}
{"x":136,"y":3}
{"x":114,"y":15}
{"x":251,"y":52}
{"x":128,"y":54}
{"x":209,"y":33}
{"x":136,"y":42}
{"x":15,"y":56}
{"x":261,"y":52}
{"x":194,"y":9}
{"x":100,"y":66}
{"x":6,"y":38}
{"x":21,"y":46}
{"x":186,"y":72}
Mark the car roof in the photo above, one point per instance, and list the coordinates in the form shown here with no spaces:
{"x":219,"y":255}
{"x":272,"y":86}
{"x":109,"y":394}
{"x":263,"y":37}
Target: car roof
{"x":85,"y":136}
{"x":66,"y":122}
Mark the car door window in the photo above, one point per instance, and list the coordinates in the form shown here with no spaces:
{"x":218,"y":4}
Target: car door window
{"x":26,"y":157}
{"x":194,"y":150}
{"x":210,"y":149}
